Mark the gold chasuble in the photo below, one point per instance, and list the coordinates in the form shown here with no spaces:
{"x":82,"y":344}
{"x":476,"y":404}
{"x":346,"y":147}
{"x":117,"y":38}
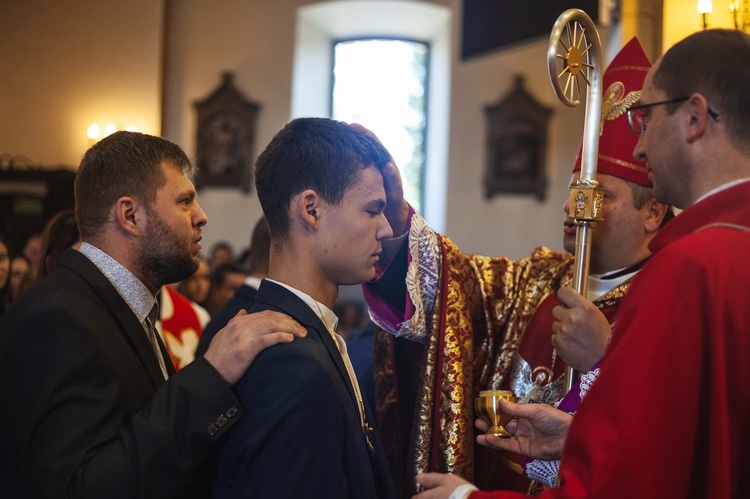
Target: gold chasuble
{"x":471,"y":314}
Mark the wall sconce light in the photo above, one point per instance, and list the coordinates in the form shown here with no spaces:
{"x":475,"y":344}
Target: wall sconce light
{"x":94,"y":131}
{"x":740,"y":14}
{"x":739,"y":9}
{"x":704,"y":9}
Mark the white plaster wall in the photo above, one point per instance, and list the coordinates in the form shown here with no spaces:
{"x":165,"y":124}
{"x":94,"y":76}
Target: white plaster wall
{"x":68,"y":64}
{"x":681,"y":19}
{"x":507,"y":225}
{"x":256,"y":40}
{"x":253,"y":39}
{"x":86,"y":55}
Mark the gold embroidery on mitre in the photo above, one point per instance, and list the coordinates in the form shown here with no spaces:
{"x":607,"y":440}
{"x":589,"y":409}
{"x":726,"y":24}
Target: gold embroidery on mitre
{"x":615,"y":103}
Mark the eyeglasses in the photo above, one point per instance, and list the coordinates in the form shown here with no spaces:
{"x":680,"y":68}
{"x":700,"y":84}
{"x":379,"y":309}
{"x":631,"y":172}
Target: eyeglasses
{"x":637,"y":119}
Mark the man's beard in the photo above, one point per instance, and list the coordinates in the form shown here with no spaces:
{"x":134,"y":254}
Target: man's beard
{"x":164,"y":258}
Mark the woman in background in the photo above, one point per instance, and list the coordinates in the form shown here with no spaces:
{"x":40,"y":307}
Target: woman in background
{"x":60,"y":233}
{"x":4,"y":273}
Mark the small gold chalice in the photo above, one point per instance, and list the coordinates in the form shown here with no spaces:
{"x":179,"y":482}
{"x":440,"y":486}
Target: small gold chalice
{"x":487,"y":407}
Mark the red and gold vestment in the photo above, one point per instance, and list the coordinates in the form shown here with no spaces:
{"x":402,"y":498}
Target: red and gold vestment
{"x":473,"y":315}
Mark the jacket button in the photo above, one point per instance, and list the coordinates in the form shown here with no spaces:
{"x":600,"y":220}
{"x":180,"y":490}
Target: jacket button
{"x":212,"y":429}
{"x":232,"y":412}
{"x":221,"y":421}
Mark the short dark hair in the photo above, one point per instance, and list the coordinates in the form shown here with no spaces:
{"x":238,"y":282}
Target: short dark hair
{"x":260,"y":247}
{"x":643,"y":194}
{"x":325,"y":155}
{"x":222,"y":245}
{"x":713,"y":63}
{"x":122,"y":164}
{"x":220,"y":273}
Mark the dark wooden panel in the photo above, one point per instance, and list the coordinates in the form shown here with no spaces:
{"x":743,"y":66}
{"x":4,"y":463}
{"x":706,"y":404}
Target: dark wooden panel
{"x":492,"y":24}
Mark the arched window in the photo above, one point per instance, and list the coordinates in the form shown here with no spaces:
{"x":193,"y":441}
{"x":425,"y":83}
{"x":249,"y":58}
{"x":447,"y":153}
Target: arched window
{"x":329,"y":27}
{"x":383,"y":83}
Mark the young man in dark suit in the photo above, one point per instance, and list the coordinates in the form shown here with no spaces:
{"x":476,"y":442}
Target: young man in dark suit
{"x":309,"y":432}
{"x":89,"y":404}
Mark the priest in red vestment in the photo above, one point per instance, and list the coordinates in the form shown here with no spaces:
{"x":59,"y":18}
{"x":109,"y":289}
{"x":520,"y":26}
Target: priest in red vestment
{"x":668,"y":414}
{"x":477,"y":323}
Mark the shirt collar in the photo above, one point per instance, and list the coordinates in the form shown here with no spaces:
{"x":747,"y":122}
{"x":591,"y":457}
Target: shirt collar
{"x":721,"y":188}
{"x":253,"y":282}
{"x":325,"y":314}
{"x":598,"y":285}
{"x":133,"y":291}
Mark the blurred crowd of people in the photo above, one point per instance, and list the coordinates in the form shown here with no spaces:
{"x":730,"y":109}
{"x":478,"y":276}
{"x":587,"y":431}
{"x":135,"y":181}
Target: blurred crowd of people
{"x":28,"y":258}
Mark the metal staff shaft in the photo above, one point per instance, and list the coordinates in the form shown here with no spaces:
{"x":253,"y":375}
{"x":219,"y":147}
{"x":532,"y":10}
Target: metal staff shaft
{"x":582,"y":61}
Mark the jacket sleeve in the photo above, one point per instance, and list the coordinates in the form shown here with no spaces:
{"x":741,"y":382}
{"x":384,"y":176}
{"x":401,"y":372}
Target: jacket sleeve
{"x":82,"y":425}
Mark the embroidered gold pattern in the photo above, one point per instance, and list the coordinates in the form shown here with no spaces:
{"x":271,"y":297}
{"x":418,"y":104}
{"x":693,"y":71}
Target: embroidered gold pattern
{"x":616,"y":102}
{"x":488,"y":302}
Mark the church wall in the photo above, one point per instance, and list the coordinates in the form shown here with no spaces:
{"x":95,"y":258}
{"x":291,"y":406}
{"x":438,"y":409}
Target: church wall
{"x":93,"y":58}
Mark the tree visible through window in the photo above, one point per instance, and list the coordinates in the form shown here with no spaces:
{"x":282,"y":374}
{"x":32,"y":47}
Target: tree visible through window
{"x":382,"y":85}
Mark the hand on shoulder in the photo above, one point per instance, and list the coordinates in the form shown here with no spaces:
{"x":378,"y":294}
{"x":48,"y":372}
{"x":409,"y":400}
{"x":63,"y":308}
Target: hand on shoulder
{"x":235,"y":347}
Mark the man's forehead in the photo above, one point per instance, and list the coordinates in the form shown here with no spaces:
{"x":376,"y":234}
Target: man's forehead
{"x":176,"y":180}
{"x":370,"y":177}
{"x":648,"y":84}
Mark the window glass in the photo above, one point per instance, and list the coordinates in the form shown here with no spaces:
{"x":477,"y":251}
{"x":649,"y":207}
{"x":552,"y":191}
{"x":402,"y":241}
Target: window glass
{"x":381,"y":84}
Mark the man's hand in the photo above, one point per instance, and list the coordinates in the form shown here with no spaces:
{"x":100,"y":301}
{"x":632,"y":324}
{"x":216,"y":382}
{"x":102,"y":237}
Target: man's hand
{"x":235,"y":347}
{"x":438,"y":485}
{"x":580,"y":332}
{"x":538,"y":431}
{"x":396,"y":207}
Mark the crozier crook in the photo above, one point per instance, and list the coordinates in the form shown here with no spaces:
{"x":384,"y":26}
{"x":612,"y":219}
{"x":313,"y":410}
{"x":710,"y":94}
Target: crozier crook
{"x":580,"y":64}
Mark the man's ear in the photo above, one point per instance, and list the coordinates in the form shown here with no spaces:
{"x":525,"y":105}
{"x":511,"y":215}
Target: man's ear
{"x":307,"y":208}
{"x":698,"y":108}
{"x":656,"y":213}
{"x":128,"y":215}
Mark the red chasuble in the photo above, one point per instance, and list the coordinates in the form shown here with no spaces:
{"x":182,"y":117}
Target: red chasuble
{"x":668,"y":415}
{"x":537,"y":375}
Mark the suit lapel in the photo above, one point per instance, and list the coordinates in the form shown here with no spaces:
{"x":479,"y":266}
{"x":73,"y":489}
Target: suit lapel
{"x":131,"y":327}
{"x":280,"y":298}
{"x":247,"y":292}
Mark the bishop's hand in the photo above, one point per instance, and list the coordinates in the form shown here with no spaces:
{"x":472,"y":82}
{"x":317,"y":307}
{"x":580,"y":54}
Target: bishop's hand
{"x":396,"y":207}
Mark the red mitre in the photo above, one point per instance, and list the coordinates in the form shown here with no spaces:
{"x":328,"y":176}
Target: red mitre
{"x":622,"y":84}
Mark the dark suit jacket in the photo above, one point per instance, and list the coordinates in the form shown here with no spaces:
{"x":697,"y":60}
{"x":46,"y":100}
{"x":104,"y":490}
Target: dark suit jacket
{"x":243,"y":299}
{"x":301,"y":436}
{"x":85,"y":408}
